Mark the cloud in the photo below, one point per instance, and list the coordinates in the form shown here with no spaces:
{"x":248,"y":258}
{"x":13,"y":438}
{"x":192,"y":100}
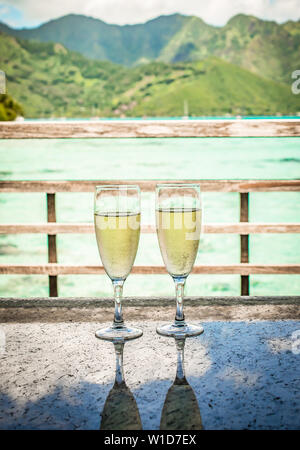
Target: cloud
{"x":216,"y":12}
{"x":10,"y":15}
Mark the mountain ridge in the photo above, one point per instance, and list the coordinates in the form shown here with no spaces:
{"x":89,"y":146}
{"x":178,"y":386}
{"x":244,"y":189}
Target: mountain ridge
{"x":264,"y":47}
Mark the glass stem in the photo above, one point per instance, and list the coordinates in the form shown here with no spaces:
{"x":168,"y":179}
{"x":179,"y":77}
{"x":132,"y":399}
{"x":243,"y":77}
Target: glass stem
{"x":179,"y":287}
{"x":180,"y":374}
{"x":119,"y":378}
{"x":118,"y":291}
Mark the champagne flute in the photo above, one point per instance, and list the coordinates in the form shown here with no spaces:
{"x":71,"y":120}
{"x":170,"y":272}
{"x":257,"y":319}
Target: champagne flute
{"x":178,"y":226}
{"x":117,"y":215}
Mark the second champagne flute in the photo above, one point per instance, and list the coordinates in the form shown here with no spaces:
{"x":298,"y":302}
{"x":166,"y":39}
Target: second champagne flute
{"x":178,"y":226}
{"x":117,"y":226}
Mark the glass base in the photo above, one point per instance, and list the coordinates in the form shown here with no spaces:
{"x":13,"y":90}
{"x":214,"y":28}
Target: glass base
{"x":179,"y":330}
{"x":122,"y":333}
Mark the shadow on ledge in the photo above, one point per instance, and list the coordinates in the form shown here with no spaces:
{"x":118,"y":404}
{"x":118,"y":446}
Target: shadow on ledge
{"x":251,"y":382}
{"x":120,"y":410}
{"x":181,"y":410}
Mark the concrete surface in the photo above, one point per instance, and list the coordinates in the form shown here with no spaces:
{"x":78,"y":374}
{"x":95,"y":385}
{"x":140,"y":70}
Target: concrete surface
{"x":246,"y":375}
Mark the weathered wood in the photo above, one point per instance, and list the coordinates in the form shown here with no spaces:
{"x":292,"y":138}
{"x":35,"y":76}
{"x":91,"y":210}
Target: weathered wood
{"x":209,"y":228}
{"x":52,"y":251}
{"x":90,"y":302}
{"x":150,"y":128}
{"x":149,"y":185}
{"x":244,"y":241}
{"x":243,"y":228}
{"x":68,"y":269}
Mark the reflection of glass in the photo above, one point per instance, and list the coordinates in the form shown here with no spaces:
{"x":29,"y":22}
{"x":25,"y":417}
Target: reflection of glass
{"x":117,"y":226}
{"x":178,"y":225}
{"x":180,"y":410}
{"x":120,"y":411}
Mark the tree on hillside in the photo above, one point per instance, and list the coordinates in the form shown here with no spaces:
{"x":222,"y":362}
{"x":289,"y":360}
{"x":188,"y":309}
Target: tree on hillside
{"x":9,"y":108}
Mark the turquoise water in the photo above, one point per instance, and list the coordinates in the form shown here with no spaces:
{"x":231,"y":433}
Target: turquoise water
{"x":118,"y":119}
{"x":190,"y":158}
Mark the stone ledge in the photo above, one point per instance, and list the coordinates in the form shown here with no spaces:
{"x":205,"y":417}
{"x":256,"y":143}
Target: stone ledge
{"x":245,"y":375}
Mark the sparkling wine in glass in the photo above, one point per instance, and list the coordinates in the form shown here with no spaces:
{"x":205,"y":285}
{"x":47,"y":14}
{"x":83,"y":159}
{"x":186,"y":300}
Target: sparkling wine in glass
{"x":178,"y":226}
{"x":117,"y":216}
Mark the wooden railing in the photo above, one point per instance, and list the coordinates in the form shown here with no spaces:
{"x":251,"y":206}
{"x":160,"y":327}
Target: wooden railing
{"x":243,"y":228}
{"x":147,"y":129}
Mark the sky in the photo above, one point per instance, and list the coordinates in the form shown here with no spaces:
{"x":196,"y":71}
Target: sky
{"x":29,"y":13}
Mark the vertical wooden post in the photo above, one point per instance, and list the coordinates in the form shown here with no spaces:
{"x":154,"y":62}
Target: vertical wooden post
{"x":52,"y":254}
{"x":244,"y":241}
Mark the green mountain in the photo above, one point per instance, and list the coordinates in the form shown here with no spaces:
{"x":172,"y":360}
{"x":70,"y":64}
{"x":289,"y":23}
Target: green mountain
{"x":96,"y":39}
{"x":51,"y":81}
{"x":212,"y":87}
{"x":267,"y":48}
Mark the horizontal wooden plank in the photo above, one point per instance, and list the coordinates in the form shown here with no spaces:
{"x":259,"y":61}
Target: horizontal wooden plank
{"x":88,"y":302}
{"x":210,"y":228}
{"x":8,"y":186}
{"x":150,"y":128}
{"x":65,"y":269}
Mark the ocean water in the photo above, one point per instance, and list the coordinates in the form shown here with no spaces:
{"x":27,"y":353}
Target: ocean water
{"x":190,"y":158}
